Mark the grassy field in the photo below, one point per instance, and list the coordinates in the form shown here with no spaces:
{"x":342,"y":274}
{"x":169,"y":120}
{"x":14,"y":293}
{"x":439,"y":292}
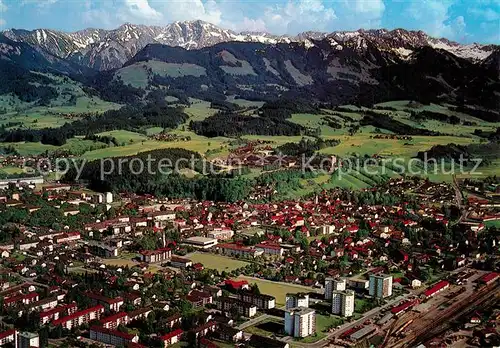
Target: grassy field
{"x":11,"y":170}
{"x":220,"y":263}
{"x":276,"y":289}
{"x":125,"y":137}
{"x":197,"y":143}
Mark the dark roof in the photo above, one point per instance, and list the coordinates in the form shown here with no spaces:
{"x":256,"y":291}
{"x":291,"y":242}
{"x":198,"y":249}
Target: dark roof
{"x":261,"y":341}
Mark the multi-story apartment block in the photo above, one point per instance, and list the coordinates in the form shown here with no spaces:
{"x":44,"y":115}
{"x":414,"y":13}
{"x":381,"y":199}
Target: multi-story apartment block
{"x":297,"y":300}
{"x":79,"y":318}
{"x":21,"y":299}
{"x":8,"y":336}
{"x":113,"y":321}
{"x":300,"y":322}
{"x":270,"y":249}
{"x":111,"y":304}
{"x":112,"y":337}
{"x":171,"y":338}
{"x":56,"y":313}
{"x":245,"y":309}
{"x":380,"y":286}
{"x":343,"y":303}
{"x":27,"y":340}
{"x":334,"y":284}
{"x":260,"y":300}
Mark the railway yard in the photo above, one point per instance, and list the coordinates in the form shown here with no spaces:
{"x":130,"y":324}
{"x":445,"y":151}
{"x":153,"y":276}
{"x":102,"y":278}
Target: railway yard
{"x":428,"y":320}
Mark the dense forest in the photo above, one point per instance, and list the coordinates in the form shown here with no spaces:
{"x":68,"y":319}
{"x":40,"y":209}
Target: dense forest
{"x":270,"y":119}
{"x":386,"y":122}
{"x":306,"y":147}
{"x":487,"y":152}
{"x":24,"y":84}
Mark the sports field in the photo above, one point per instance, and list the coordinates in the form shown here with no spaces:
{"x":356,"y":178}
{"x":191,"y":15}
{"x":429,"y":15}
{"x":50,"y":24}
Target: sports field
{"x":220,"y":263}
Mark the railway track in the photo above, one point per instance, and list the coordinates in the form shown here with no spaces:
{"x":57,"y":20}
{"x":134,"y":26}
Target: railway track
{"x":442,"y":321}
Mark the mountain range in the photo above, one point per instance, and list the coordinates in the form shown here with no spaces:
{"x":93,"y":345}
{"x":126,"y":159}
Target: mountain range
{"x":110,"y":49}
{"x":198,"y":59}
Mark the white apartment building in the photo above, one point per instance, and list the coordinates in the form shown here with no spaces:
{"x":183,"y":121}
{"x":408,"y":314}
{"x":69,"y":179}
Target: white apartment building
{"x":297,"y":300}
{"x":380,"y":286}
{"x":27,"y":340}
{"x":300,"y":322}
{"x":112,"y":337}
{"x":343,"y":303}
{"x":334,"y":284}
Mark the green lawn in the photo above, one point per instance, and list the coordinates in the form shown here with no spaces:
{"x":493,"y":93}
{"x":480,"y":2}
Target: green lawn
{"x":11,"y":170}
{"x":124,"y":136}
{"x":220,"y":263}
{"x":276,"y":289}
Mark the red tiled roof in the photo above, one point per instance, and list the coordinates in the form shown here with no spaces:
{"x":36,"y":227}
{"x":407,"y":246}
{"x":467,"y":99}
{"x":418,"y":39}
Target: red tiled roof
{"x":235,"y":284}
{"x":112,"y":332}
{"x":7,"y":333}
{"x":52,"y":311}
{"x":438,"y":286}
{"x":67,"y":318}
{"x":403,"y":307}
{"x":113,"y":317}
{"x":268,"y":246}
{"x":172,"y":334}
{"x":489,"y":277}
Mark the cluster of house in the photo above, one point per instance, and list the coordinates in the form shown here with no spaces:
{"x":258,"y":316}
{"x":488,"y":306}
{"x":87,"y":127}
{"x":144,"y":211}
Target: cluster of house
{"x":342,"y":230}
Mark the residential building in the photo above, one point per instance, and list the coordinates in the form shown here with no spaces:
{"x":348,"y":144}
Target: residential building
{"x":245,"y":309}
{"x":56,"y":313}
{"x":334,"y":284}
{"x":28,"y":340}
{"x":270,"y":249}
{"x":158,"y":255}
{"x":260,"y":300}
{"x":380,"y":286}
{"x":230,"y":334}
{"x":171,"y":338}
{"x":8,"y":336}
{"x":79,"y":318}
{"x":112,"y":337}
{"x":300,"y":322}
{"x":204,"y":329}
{"x":343,"y":303}
{"x":297,"y":300}
{"x":111,"y":304}
{"x":113,"y":321}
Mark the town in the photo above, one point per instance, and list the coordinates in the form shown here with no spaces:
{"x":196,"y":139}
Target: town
{"x":396,"y":265}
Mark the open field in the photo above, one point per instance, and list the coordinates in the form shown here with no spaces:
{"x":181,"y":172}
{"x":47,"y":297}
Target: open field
{"x":276,"y":289}
{"x":197,"y":143}
{"x":220,"y":263}
{"x":125,"y":137}
{"x":11,"y":170}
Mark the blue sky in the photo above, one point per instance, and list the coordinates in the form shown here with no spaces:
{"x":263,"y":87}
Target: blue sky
{"x":465,"y":21}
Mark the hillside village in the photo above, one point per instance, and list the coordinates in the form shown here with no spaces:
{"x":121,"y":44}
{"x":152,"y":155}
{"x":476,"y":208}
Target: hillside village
{"x":81,"y":268}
